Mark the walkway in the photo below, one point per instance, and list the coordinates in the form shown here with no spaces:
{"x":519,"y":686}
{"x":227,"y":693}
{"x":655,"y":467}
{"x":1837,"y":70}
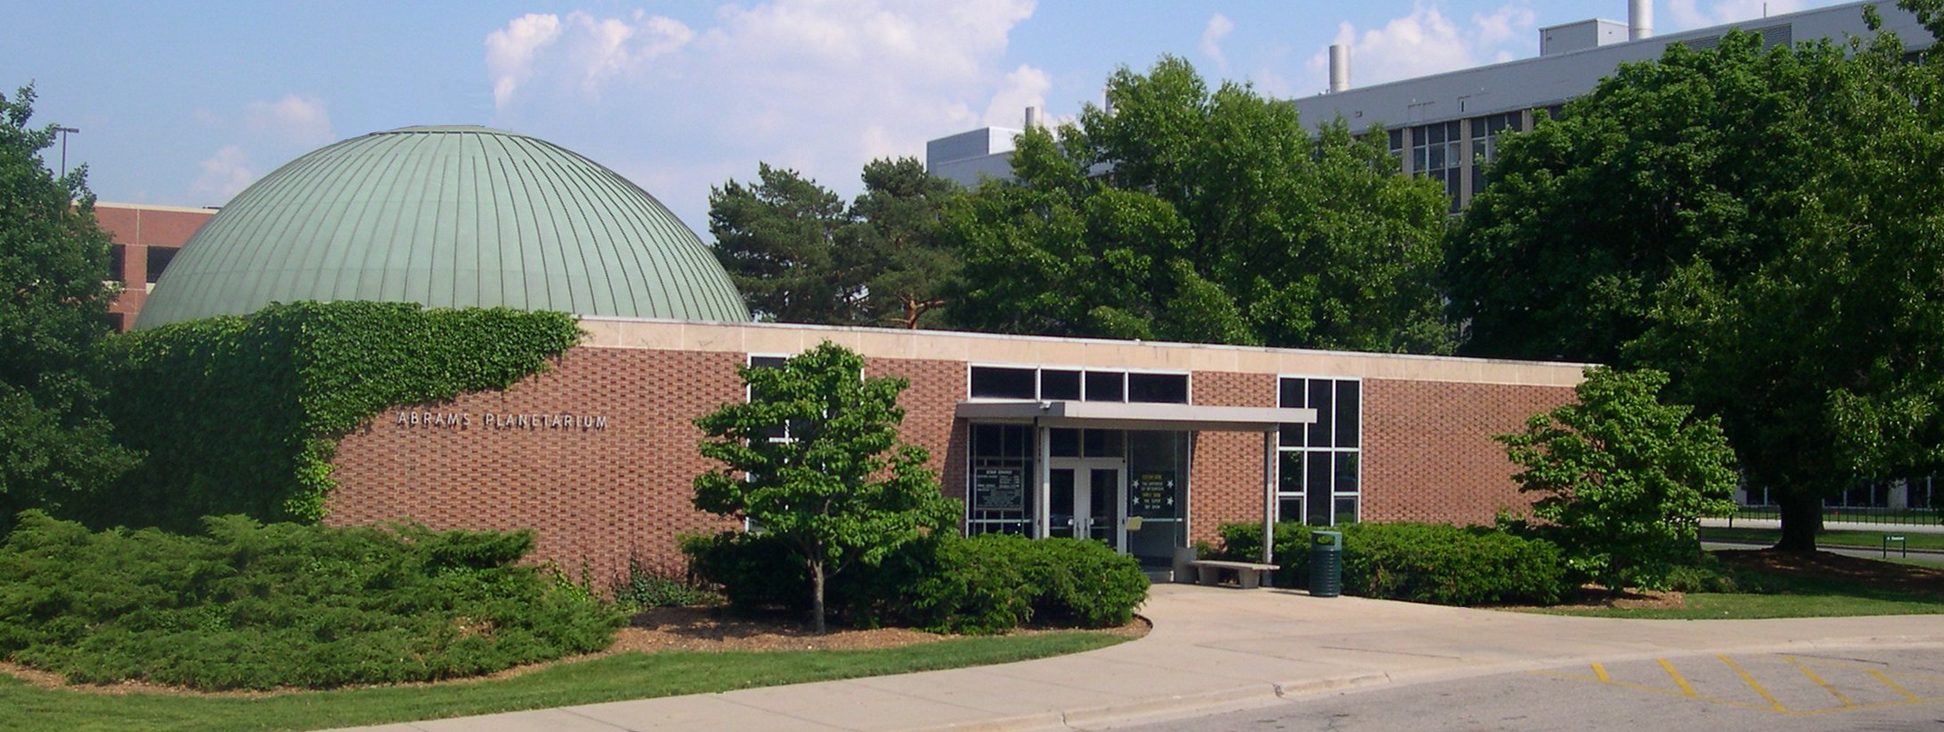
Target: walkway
{"x":1211,"y":649}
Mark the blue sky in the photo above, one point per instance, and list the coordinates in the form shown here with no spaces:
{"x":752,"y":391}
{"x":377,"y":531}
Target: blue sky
{"x":187,"y":103}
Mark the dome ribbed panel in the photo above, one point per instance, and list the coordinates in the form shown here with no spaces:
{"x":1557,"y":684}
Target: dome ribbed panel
{"x":446,"y":217}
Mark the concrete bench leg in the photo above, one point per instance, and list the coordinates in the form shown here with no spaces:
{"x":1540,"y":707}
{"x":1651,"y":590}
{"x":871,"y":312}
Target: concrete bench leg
{"x":1249,"y":579}
{"x":1208,"y":575}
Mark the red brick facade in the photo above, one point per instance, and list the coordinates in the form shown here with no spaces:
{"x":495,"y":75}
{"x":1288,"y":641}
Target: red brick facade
{"x":135,"y":230}
{"x":599,"y":494}
{"x":1428,"y":449}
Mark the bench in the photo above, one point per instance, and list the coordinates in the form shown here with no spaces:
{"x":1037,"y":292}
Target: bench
{"x":1247,"y":574}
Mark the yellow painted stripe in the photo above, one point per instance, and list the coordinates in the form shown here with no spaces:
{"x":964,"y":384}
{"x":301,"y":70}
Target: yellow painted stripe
{"x":1893,"y":685}
{"x":1819,"y":681}
{"x":1753,"y":684}
{"x":1600,"y":671}
{"x":1676,"y":675}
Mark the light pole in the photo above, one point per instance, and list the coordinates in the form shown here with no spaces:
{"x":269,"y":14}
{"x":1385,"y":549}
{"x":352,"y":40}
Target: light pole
{"x":65,"y":131}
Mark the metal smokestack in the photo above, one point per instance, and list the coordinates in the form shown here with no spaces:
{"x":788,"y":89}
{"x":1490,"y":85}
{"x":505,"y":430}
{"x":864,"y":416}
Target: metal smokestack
{"x":1340,"y":67}
{"x":1640,"y":19}
{"x":1032,"y":117}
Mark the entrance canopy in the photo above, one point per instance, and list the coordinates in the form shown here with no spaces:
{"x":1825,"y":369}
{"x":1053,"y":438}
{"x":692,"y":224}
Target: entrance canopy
{"x":1046,"y":416}
{"x":1136,"y":416}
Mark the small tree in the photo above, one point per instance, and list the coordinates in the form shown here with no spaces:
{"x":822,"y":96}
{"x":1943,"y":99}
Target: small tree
{"x":1624,"y":477}
{"x":813,"y":458}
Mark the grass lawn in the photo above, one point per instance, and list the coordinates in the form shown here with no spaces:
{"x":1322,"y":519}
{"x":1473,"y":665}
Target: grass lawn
{"x":1861,"y":539}
{"x":613,"y":678}
{"x":1822,"y":585}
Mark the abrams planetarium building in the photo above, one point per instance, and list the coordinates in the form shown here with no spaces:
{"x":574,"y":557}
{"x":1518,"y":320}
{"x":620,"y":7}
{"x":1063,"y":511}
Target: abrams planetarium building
{"x":1145,"y":446}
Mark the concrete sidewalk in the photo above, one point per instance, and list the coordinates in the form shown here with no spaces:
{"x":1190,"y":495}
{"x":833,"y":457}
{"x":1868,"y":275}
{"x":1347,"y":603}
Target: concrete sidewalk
{"x":1211,"y":649}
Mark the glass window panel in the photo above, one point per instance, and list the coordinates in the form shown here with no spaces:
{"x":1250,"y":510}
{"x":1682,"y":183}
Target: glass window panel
{"x":1289,"y":474}
{"x":1066,"y":442}
{"x":1002,"y":383}
{"x":1106,"y":386}
{"x":1417,"y":159}
{"x":1319,"y":400}
{"x":1158,"y":388}
{"x":158,"y":260}
{"x":1289,"y":508}
{"x":1396,"y":139}
{"x":988,"y":441}
{"x":1437,"y":134}
{"x":1346,"y":473}
{"x":1290,"y":395}
{"x":1346,"y":511}
{"x":1437,"y":158}
{"x":1451,"y":130}
{"x":1105,"y":443}
{"x":1318,"y":480}
{"x":1059,"y":504}
{"x":1055,"y":384}
{"x":766,"y":362}
{"x":1347,"y":413}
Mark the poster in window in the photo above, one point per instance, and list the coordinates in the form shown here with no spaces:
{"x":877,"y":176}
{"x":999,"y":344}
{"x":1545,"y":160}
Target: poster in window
{"x":999,"y":489}
{"x":1153,"y":494}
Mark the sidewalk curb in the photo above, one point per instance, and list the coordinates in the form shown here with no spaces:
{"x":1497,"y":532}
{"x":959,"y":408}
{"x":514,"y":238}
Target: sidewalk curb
{"x":1246,"y":695}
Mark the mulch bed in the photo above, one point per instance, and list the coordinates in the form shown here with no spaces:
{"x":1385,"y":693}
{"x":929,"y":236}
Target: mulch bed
{"x":1826,"y":565}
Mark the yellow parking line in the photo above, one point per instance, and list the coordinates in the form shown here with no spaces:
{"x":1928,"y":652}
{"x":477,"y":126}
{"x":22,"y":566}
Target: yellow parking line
{"x":1685,"y":688}
{"x":1819,"y":681}
{"x":1893,"y":685}
{"x":1599,"y":670}
{"x":1753,"y":684}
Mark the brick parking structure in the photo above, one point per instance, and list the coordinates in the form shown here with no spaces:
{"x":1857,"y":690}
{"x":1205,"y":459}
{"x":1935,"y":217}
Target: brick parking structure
{"x":602,"y":465}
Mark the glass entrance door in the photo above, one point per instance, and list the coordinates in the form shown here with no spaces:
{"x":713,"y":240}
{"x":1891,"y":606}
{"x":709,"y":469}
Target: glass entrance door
{"x":1086,"y":501}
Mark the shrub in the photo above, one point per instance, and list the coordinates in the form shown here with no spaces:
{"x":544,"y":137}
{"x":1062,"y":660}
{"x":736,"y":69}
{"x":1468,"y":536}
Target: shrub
{"x":645,"y":587}
{"x":996,"y":583}
{"x":254,"y":606}
{"x":1432,"y":563}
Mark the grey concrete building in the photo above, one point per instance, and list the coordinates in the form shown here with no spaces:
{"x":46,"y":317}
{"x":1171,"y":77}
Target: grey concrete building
{"x":1445,"y":126}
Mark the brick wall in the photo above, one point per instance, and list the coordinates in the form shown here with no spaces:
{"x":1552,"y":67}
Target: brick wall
{"x":135,"y":230}
{"x":594,"y":495}
{"x":1428,"y":448}
{"x":1225,"y":472}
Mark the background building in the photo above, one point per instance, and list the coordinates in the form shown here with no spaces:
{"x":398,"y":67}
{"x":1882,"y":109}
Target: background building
{"x":146,"y":240}
{"x":1445,"y":126}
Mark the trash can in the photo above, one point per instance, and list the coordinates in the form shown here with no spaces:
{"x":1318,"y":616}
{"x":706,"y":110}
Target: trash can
{"x":1326,"y":563}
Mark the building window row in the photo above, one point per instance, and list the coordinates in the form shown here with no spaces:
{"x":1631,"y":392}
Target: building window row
{"x":1085,"y":385}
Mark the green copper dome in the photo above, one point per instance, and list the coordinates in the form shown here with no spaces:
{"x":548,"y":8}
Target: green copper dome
{"x":446,"y":217}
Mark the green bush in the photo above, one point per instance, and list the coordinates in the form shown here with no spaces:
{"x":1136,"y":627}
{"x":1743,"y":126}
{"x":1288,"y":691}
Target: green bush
{"x":995,"y":583}
{"x":645,"y":587}
{"x":254,"y":606}
{"x":987,"y":584}
{"x":1431,"y":563}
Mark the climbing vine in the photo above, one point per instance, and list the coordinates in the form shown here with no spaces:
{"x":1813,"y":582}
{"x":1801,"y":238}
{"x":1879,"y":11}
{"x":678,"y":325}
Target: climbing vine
{"x":243,"y":414}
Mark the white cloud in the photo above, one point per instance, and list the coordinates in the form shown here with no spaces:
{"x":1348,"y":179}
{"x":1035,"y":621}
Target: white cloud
{"x":1218,"y":28}
{"x":1426,"y":41}
{"x":1689,"y":13}
{"x":1023,"y":87}
{"x":817,"y":85}
{"x":224,"y":174}
{"x":510,"y":51}
{"x":296,"y":120}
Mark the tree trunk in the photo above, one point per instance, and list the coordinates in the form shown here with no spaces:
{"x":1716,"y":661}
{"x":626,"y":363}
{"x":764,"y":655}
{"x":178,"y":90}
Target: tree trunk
{"x":1801,"y":520}
{"x":817,"y":596}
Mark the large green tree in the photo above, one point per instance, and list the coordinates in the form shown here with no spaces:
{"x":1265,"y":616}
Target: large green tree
{"x":800,"y":255}
{"x":1210,"y":216}
{"x":54,"y":445}
{"x":1767,"y":225}
{"x":813,"y":459}
{"x":1623,"y":477}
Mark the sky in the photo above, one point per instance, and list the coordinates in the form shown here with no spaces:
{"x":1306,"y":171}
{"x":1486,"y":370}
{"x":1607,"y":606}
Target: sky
{"x":186,"y":104}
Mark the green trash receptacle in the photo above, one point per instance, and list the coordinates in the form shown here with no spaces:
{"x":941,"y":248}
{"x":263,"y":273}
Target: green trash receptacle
{"x":1326,"y":563}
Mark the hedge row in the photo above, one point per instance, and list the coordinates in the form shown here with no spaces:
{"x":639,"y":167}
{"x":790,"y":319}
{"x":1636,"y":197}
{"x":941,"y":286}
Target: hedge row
{"x":1431,"y":563}
{"x":986,"y":584}
{"x":253,"y":606}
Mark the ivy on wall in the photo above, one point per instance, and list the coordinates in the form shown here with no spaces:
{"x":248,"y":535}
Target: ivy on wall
{"x":243,"y":414}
